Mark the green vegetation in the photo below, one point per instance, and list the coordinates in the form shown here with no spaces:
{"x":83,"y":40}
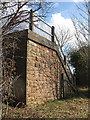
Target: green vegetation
{"x":79,"y":60}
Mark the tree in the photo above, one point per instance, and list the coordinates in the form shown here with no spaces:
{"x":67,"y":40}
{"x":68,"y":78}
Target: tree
{"x":81,"y":22}
{"x":12,"y":15}
{"x":79,"y":60}
{"x":64,"y":37}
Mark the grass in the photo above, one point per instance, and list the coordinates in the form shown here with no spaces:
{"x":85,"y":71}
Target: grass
{"x":67,"y":108}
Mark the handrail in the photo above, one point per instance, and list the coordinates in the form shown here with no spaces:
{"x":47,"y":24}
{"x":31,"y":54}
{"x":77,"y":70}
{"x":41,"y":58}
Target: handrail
{"x":69,"y":70}
{"x":62,"y":55}
{"x":31,"y":25}
{"x":42,"y":20}
{"x":45,"y":22}
{"x":42,"y":30}
{"x":69,"y":80}
{"x":52,"y":35}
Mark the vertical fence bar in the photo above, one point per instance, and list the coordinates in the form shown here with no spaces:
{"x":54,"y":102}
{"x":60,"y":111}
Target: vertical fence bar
{"x":31,"y":24}
{"x":65,"y":60}
{"x":1,"y":72}
{"x":52,"y":32}
{"x":1,"y":56}
{"x":61,"y":86}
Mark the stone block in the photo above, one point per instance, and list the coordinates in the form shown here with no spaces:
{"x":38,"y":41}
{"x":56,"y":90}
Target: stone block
{"x":43,"y":72}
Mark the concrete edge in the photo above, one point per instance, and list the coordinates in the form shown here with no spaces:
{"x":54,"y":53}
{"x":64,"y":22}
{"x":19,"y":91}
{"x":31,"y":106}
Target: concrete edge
{"x":42,"y":41}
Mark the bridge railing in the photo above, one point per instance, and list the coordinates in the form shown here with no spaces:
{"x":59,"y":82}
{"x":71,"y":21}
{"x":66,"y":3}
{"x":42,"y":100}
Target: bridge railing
{"x":38,"y":25}
{"x":51,"y":34}
{"x":62,"y":55}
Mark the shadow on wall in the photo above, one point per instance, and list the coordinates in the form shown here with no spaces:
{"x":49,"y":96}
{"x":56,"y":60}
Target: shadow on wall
{"x":20,"y":59}
{"x":15,"y":45}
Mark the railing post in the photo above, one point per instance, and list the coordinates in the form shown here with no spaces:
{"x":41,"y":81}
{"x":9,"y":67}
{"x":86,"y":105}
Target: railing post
{"x":65,"y":60}
{"x":31,"y":24}
{"x":52,"y":33}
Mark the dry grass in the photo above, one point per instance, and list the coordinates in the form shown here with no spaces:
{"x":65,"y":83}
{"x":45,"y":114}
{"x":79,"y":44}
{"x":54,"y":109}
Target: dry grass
{"x":68,"y":108}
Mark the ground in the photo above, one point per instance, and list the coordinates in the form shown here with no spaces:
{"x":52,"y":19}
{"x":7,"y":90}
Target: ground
{"x":76,"y":107}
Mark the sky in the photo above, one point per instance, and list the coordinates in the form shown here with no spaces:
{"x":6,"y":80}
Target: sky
{"x":65,"y":8}
{"x":61,"y":15}
{"x":61,"y":12}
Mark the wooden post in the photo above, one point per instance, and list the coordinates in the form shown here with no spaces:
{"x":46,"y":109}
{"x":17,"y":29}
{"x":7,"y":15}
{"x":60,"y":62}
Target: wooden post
{"x":65,"y":60}
{"x":62,"y":92}
{"x":52,"y":33}
{"x":61,"y":86}
{"x":31,"y":25}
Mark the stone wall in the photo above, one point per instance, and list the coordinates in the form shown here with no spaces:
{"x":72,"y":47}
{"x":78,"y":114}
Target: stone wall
{"x":39,"y":65}
{"x":44,"y":71}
